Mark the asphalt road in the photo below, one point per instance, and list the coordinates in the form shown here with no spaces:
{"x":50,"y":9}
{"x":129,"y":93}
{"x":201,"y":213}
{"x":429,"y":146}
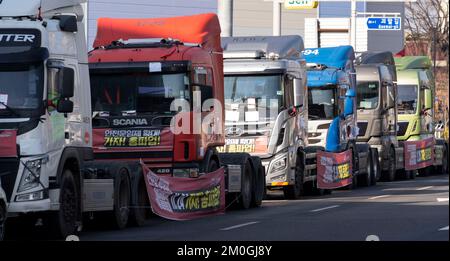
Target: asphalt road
{"x":403,"y":210}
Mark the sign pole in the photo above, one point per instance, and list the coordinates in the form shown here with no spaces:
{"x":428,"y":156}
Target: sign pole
{"x":353,"y":25}
{"x":276,"y":18}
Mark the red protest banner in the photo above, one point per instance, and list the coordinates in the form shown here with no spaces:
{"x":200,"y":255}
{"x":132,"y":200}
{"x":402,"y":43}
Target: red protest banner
{"x":186,"y":198}
{"x":8,"y":143}
{"x":419,"y":154}
{"x":334,"y":170}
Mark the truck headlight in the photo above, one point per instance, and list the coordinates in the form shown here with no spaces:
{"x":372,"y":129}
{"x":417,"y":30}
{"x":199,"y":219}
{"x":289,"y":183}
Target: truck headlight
{"x":30,"y":175}
{"x":279,"y":165}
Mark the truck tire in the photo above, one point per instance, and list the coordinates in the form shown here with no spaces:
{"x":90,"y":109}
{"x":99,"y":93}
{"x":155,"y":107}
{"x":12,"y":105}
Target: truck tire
{"x":390,"y":174}
{"x":376,"y":168}
{"x":142,"y":209}
{"x":245,"y":199}
{"x":122,"y":195}
{"x":2,"y":221}
{"x":412,"y":174}
{"x":64,"y":222}
{"x":367,"y":178}
{"x":259,"y":182}
{"x":296,"y":191}
{"x":443,"y":169}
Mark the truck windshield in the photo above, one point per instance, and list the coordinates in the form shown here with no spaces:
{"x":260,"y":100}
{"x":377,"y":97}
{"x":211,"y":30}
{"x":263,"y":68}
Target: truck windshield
{"x":367,"y":95}
{"x":322,"y":103}
{"x":137,"y":93}
{"x":263,"y":92}
{"x":21,"y":86}
{"x":407,"y":98}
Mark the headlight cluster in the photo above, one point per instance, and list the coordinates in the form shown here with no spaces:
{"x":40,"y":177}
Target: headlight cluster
{"x":279,"y":165}
{"x":31,"y":175}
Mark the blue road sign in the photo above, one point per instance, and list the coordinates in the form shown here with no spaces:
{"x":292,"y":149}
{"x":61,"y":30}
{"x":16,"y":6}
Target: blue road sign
{"x":384,"y":23}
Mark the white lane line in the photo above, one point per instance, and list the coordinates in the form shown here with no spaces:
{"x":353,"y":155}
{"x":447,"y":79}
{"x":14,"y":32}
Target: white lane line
{"x":238,"y":226}
{"x":442,"y":199}
{"x":377,"y":197}
{"x":424,"y":188}
{"x":321,"y":209}
{"x":444,"y":228}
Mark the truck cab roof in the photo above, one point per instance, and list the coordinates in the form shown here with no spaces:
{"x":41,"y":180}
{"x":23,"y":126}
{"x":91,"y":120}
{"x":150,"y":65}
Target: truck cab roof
{"x":331,"y":57}
{"x":412,"y":62}
{"x":328,"y":64}
{"x":376,"y":59}
{"x":34,"y":8}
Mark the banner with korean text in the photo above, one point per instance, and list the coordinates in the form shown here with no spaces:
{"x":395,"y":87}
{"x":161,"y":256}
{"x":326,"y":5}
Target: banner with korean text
{"x":334,"y":170}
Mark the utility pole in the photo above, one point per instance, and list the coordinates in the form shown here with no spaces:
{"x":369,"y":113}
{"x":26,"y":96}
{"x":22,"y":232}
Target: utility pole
{"x":276,"y":18}
{"x":225,"y":13}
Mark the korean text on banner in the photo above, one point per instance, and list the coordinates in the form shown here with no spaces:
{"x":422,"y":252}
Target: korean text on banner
{"x":186,"y":198}
{"x":334,"y":170}
{"x":419,"y":154}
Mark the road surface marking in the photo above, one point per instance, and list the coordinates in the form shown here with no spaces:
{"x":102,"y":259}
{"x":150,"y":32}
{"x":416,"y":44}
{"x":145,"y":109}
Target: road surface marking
{"x":444,"y":228}
{"x":382,"y":196}
{"x":238,"y":226}
{"x":424,"y":188}
{"x":442,"y":199}
{"x":320,"y":209}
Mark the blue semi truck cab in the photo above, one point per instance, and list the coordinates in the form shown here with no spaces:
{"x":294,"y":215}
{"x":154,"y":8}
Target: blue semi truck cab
{"x":332,"y":124}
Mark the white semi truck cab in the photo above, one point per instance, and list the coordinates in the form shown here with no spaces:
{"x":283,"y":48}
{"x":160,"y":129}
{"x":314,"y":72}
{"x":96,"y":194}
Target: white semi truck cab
{"x":44,"y":108}
{"x":266,"y":106}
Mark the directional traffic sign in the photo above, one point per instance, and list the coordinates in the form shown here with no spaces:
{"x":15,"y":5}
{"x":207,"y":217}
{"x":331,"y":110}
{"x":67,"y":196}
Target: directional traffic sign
{"x":384,"y":23}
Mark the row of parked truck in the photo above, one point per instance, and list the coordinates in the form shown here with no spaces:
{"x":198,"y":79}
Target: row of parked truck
{"x":75,"y":126}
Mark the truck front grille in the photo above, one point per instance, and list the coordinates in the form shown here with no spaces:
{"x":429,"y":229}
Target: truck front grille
{"x":402,"y":127}
{"x":8,"y":175}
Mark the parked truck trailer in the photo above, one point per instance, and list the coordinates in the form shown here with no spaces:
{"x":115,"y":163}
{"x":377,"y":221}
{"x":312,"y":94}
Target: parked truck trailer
{"x":158,"y":96}
{"x":266,"y":106}
{"x":332,"y":111}
{"x":416,"y":92}
{"x":45,"y":119}
{"x":377,"y":111}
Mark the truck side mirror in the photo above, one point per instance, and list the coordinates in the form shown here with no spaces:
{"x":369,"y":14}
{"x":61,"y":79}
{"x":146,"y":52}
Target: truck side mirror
{"x":428,"y":99}
{"x":67,"y":83}
{"x":390,"y":99}
{"x":298,"y":93}
{"x":65,"y":106}
{"x":68,"y":23}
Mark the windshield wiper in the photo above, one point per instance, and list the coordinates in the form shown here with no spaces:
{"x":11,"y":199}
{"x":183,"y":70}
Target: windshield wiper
{"x":14,"y":112}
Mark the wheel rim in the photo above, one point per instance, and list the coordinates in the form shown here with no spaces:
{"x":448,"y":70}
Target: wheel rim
{"x":69,"y":206}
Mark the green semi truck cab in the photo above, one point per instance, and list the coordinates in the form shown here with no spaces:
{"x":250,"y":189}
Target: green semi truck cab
{"x":416,"y":89}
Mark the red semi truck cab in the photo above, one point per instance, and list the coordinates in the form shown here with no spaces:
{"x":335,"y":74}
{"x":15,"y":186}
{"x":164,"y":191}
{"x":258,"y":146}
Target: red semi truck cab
{"x":153,"y":86}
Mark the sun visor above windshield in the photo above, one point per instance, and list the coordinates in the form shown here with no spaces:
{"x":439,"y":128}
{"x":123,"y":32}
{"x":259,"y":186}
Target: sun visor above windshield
{"x":198,"y":29}
{"x":31,"y":56}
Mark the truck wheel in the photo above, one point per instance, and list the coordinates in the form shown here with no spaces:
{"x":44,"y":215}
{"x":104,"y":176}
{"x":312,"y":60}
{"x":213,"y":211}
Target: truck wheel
{"x":122,"y":196}
{"x":366,"y":179}
{"x":390,"y":173}
{"x":65,"y":221}
{"x":259,"y":182}
{"x":412,"y":174}
{"x":296,"y":191}
{"x":2,"y":222}
{"x":376,"y":168}
{"x":141,"y":212}
{"x":246,"y":187}
{"x":443,"y":169}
